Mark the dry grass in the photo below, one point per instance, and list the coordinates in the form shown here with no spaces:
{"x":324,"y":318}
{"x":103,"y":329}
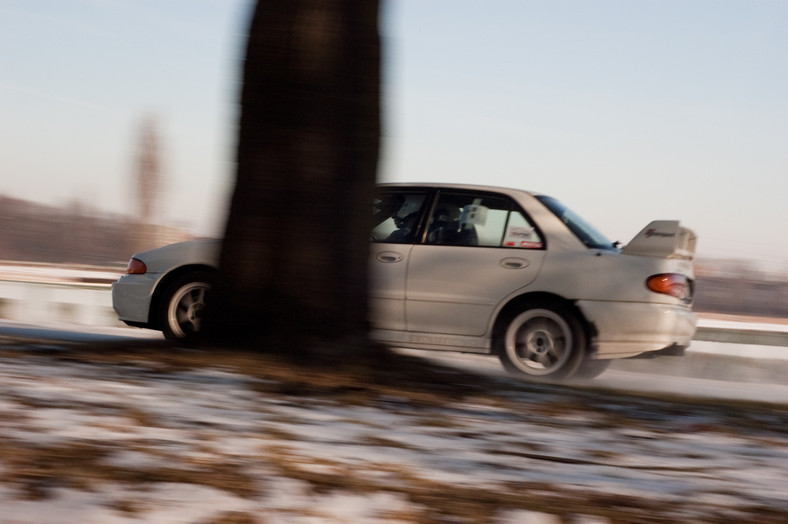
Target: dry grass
{"x":35,"y":470}
{"x":376,"y":378}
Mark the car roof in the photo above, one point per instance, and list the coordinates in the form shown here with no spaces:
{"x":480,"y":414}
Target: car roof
{"x":471,"y":187}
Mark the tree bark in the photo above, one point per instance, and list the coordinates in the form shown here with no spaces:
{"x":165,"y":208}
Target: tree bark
{"x":294,"y":256}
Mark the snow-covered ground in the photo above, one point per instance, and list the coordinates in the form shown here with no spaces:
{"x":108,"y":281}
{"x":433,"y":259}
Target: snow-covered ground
{"x":46,"y":295}
{"x":146,"y":440}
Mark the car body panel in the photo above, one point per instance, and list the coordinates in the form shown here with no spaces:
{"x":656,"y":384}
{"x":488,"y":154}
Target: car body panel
{"x":388,"y":271}
{"x":132,"y":295}
{"x":455,"y":289}
{"x":628,"y":329}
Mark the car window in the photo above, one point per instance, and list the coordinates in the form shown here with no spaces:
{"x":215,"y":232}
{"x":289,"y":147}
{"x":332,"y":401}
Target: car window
{"x":478,"y":219}
{"x":584,"y":231}
{"x":395,"y":215}
{"x":521,"y":233}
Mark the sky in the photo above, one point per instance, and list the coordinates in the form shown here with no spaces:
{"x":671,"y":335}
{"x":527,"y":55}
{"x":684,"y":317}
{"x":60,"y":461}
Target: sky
{"x":626,"y":111}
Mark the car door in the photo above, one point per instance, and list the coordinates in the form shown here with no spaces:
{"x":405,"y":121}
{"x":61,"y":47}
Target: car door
{"x":397,"y":220}
{"x":477,"y":249}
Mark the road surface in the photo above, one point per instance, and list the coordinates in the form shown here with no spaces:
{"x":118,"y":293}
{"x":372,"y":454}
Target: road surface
{"x":753,"y":373}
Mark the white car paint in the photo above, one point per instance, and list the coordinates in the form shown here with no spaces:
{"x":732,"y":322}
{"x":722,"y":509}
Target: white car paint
{"x":452,"y":297}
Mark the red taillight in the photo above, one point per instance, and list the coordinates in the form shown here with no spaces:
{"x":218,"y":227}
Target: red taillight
{"x":673,"y":284}
{"x":136,"y":267}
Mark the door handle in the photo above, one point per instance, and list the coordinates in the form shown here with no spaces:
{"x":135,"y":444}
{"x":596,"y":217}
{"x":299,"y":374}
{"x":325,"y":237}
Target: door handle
{"x":388,"y":257}
{"x":514,"y":263}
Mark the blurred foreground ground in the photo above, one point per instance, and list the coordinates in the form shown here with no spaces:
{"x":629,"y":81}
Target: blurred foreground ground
{"x":144,"y":432}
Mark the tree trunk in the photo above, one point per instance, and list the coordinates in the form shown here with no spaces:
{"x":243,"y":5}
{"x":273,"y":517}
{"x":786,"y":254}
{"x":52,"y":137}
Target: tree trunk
{"x":294,"y":257}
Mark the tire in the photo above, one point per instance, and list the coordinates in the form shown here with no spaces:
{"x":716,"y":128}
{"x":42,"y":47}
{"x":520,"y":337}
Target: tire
{"x":182,"y":307}
{"x":544,"y":342}
{"x":591,"y":368}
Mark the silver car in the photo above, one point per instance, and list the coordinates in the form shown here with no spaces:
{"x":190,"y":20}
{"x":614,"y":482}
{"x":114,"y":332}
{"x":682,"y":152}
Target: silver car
{"x":481,"y":270}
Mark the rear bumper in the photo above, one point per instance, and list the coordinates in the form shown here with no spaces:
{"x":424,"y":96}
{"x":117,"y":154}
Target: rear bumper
{"x":628,"y":329}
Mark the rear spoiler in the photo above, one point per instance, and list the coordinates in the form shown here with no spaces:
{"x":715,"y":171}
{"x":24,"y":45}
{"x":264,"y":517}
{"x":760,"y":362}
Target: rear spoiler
{"x":663,"y":239}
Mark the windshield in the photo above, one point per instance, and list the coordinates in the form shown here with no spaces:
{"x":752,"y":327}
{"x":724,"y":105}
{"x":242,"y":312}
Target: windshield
{"x":587,"y":233}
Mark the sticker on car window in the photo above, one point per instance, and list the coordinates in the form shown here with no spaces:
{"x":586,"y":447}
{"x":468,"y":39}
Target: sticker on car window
{"x":523,"y":237}
{"x":521,"y":232}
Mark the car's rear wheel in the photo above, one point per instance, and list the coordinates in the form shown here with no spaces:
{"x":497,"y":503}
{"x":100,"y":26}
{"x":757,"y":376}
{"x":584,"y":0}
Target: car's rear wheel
{"x":182,"y":308}
{"x":544,"y":341}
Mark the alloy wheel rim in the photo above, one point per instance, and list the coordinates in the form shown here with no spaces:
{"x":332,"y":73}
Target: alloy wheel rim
{"x":186,"y":310}
{"x":539,"y":342}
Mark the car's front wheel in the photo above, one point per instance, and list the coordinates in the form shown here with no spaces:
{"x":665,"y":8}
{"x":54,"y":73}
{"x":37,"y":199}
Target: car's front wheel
{"x":182,"y":308}
{"x":544,"y":341}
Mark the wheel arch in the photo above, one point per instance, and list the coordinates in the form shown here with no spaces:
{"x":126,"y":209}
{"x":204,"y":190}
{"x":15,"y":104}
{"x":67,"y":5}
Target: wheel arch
{"x":516,"y":305}
{"x":164,"y":284}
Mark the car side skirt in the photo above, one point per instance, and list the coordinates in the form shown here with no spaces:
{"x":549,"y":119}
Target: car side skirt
{"x":432,"y":341}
